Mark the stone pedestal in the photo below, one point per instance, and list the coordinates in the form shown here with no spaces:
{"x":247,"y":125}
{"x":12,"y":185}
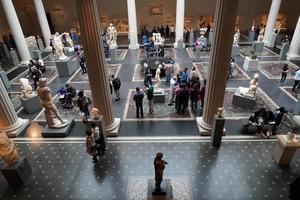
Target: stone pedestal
{"x":250,"y":65}
{"x":14,"y":57}
{"x":37,"y":54}
{"x":165,"y":191}
{"x":235,"y":50}
{"x":18,"y":173}
{"x":159,"y":96}
{"x":210,"y":37}
{"x":243,"y":101}
{"x":284,"y":151}
{"x":258,"y":46}
{"x":191,"y":38}
{"x":58,"y":132}
{"x":112,"y":55}
{"x":31,"y":49}
{"x":251,"y":35}
{"x":180,"y":44}
{"x":5,"y":80}
{"x":272,"y":40}
{"x":40,"y":44}
{"x":197,"y":55}
{"x":66,"y":67}
{"x":31,"y":104}
{"x":283,"y":51}
{"x":217,"y":131}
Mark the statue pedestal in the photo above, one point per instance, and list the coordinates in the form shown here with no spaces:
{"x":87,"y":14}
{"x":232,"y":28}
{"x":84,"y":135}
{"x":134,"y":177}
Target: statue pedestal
{"x":31,"y":104}
{"x":259,"y":46}
{"x":272,"y":40}
{"x":250,"y":65}
{"x":284,"y":49}
{"x":58,"y":132}
{"x":40,"y":44}
{"x":217,"y":131}
{"x":112,"y":55}
{"x":66,"y":67}
{"x":159,"y":96}
{"x":165,"y":191}
{"x":15,"y":58}
{"x":113,"y":46}
{"x":191,"y":38}
{"x":197,"y":55}
{"x":180,"y":44}
{"x":243,"y":101}
{"x":235,"y":50}
{"x":37,"y":54}
{"x":18,"y":173}
{"x":4,"y":79}
{"x":251,"y":35}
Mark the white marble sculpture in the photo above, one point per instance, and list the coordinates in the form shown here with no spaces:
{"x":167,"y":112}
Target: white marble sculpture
{"x":157,"y":78}
{"x":44,"y":92}
{"x":220,"y":112}
{"x":68,"y":39}
{"x":8,"y":150}
{"x":59,"y":47}
{"x":112,"y":33}
{"x":253,"y":86}
{"x":31,"y":42}
{"x":260,"y":36}
{"x":96,"y":113}
{"x":157,"y":39}
{"x":235,"y":39}
{"x":26,"y":88}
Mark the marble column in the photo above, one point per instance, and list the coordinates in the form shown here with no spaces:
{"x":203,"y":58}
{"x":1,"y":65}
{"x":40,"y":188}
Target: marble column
{"x":294,"y":51}
{"x":16,"y":30}
{"x":132,"y":33}
{"x":97,"y":72}
{"x":43,"y":22}
{"x":179,"y":21}
{"x":10,"y":123}
{"x":225,"y":15}
{"x":274,"y":10}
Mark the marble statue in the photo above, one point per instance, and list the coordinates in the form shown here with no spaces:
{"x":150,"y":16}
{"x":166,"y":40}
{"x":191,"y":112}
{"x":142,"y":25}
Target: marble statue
{"x":26,"y":88}
{"x":157,"y":77}
{"x":95,"y":113}
{"x":8,"y":150}
{"x":235,"y":39}
{"x":68,"y":39}
{"x":44,"y":92}
{"x":157,"y":39}
{"x":260,"y":36}
{"x":59,"y":47}
{"x":112,"y":32}
{"x":220,"y":112}
{"x":159,"y":166}
{"x":253,"y":86}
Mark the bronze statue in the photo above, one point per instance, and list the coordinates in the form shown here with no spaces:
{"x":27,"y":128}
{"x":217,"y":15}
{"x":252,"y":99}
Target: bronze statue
{"x":159,"y":166}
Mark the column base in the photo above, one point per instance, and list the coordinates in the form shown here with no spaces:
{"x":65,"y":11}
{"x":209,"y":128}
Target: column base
{"x":133,"y":46}
{"x":113,"y":129}
{"x":16,"y":129}
{"x":203,"y":127}
{"x":176,"y":45}
{"x":291,"y":56}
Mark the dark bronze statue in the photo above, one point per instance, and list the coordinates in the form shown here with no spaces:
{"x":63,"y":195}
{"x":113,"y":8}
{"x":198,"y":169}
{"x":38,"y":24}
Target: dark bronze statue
{"x":159,"y":166}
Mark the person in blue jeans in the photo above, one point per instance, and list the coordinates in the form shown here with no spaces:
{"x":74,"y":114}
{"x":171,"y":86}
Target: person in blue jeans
{"x":138,"y":98}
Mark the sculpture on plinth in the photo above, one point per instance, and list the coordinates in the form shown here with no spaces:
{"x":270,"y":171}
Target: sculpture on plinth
{"x":8,"y":150}
{"x":236,"y":38}
{"x":26,"y":88}
{"x":253,"y":86}
{"x":253,"y":52}
{"x":220,"y":112}
{"x":159,"y":166}
{"x":59,"y":47}
{"x":261,"y":36}
{"x":112,"y":32}
{"x":157,"y":77}
{"x":44,"y":92}
{"x":68,"y":39}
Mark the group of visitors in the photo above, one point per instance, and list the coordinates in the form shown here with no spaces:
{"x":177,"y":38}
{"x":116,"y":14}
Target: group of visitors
{"x":152,"y":50}
{"x":36,"y":70}
{"x":265,"y":121}
{"x":168,"y":31}
{"x":95,"y":142}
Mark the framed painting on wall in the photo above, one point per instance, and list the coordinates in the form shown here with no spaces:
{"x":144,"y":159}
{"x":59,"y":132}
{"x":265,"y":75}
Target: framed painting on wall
{"x":155,"y":9}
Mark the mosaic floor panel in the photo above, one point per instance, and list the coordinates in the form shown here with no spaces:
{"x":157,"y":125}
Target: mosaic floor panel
{"x":245,"y":51}
{"x":120,"y":54}
{"x":169,"y":53}
{"x":290,"y":93}
{"x":273,"y":69}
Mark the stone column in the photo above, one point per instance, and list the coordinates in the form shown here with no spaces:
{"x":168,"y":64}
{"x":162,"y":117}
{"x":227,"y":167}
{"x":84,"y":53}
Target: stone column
{"x":16,"y":30}
{"x":179,"y":21}
{"x":132,"y":33}
{"x":9,"y":121}
{"x":294,"y":51}
{"x":274,"y":10}
{"x":43,"y":22}
{"x":225,"y":15}
{"x":95,"y":59}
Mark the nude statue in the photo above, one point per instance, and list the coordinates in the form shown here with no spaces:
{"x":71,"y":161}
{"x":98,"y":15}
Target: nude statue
{"x":157,"y":77}
{"x":26,"y":88}
{"x":159,"y":166}
{"x":44,"y":92}
{"x":59,"y":47}
{"x":112,"y":32}
{"x":8,"y":150}
{"x":260,"y":36}
{"x":253,"y":86}
{"x":69,"y":40}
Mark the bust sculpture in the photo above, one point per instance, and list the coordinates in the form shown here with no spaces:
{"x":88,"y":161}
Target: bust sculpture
{"x":253,"y":86}
{"x":260,"y":36}
{"x":8,"y":150}
{"x":220,"y":112}
{"x":157,"y":77}
{"x":59,"y":47}
{"x":159,"y":166}
{"x":96,"y":114}
{"x":44,"y":92}
{"x":112,"y":32}
{"x":26,"y":88}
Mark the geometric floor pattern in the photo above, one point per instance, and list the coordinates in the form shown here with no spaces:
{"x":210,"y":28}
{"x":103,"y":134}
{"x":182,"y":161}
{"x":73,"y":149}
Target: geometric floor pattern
{"x":245,"y":51}
{"x":273,"y":69}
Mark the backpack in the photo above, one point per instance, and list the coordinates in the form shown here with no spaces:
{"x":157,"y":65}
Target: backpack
{"x":116,"y":83}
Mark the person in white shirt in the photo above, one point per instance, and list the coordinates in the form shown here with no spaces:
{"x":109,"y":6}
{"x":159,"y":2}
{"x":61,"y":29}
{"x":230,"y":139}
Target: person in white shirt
{"x":172,"y":31}
{"x":296,"y":79}
{"x":172,"y":87}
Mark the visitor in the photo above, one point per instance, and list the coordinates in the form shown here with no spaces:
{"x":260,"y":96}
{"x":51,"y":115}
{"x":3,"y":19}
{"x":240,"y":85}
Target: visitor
{"x":154,"y":30}
{"x":35,"y":74}
{"x":231,"y":68}
{"x":83,"y":103}
{"x":81,"y":59}
{"x":90,"y":145}
{"x":148,"y":77}
{"x":116,"y":82}
{"x":39,"y":64}
{"x":172,"y":88}
{"x":70,"y":94}
{"x":138,"y":98}
{"x":96,"y":134}
{"x":168,"y":71}
{"x":183,"y":99}
{"x":278,"y":116}
{"x":150,"y":95}
{"x":194,"y":93}
{"x":177,"y":90}
{"x":167,"y":31}
{"x":187,"y":34}
{"x":52,"y":46}
{"x":284,"y":72}
{"x":184,"y":76}
{"x":294,"y":189}
{"x":202,"y":93}
{"x":160,"y":51}
{"x":172,"y":31}
{"x":110,"y":86}
{"x":61,"y":95}
{"x":296,"y":79}
{"x":162,"y":31}
{"x":194,"y":74}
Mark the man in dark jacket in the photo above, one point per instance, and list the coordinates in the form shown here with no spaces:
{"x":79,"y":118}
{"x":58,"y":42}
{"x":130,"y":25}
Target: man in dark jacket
{"x":138,"y":98}
{"x":116,"y":82}
{"x":183,"y":99}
